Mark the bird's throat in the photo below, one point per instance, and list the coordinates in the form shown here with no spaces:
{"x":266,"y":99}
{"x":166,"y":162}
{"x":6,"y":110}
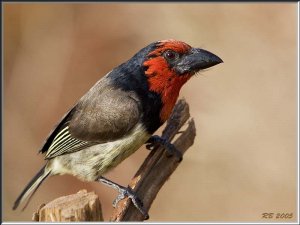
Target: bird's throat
{"x":166,"y":82}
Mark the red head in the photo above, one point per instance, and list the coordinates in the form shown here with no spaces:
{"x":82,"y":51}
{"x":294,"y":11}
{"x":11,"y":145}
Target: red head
{"x":170,"y":65}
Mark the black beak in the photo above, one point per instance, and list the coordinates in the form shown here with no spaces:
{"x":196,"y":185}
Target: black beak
{"x":197,"y":59}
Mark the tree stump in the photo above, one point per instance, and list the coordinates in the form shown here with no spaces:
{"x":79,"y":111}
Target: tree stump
{"x":81,"y":206}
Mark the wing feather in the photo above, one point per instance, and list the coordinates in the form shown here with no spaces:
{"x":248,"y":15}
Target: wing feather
{"x":65,"y":143}
{"x":103,"y":114}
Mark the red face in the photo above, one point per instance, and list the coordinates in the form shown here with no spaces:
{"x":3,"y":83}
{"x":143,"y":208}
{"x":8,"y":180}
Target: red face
{"x":162,"y":78}
{"x":172,"y":64}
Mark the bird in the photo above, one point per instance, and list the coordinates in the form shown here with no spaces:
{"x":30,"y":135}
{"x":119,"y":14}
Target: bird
{"x":118,"y":115}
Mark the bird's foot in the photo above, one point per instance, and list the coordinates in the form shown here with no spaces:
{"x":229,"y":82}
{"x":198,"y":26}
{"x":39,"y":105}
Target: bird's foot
{"x":125,"y":192}
{"x":155,"y":141}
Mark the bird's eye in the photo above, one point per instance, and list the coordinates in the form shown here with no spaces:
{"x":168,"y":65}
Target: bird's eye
{"x":171,"y":55}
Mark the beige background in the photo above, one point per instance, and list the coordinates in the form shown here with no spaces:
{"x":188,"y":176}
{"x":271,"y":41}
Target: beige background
{"x":244,"y":160}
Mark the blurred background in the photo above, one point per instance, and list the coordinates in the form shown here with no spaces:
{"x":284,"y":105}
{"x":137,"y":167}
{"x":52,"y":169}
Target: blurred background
{"x":244,"y":160}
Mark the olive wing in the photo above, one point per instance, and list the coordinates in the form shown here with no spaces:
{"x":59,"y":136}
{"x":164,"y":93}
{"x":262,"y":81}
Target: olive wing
{"x":104,"y":114}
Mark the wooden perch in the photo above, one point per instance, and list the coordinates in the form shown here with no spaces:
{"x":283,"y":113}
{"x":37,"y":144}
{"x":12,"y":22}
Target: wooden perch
{"x":81,"y":206}
{"x":146,"y":183}
{"x":157,"y":167}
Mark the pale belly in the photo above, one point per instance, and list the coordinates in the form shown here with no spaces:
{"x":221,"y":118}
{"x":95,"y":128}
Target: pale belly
{"x":90,"y":163}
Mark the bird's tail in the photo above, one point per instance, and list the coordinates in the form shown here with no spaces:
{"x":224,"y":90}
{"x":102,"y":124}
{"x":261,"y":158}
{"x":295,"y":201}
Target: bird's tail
{"x":31,"y":187}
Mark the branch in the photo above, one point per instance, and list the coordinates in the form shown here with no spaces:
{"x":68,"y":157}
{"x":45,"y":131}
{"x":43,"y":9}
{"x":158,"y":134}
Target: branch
{"x":157,"y":167}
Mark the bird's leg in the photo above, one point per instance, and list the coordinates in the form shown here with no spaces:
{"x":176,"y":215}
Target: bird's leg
{"x":125,"y":192}
{"x":155,"y":141}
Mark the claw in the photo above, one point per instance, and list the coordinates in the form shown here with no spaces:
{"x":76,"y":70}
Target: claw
{"x":125,"y":192}
{"x":155,"y":140}
{"x":152,"y":146}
